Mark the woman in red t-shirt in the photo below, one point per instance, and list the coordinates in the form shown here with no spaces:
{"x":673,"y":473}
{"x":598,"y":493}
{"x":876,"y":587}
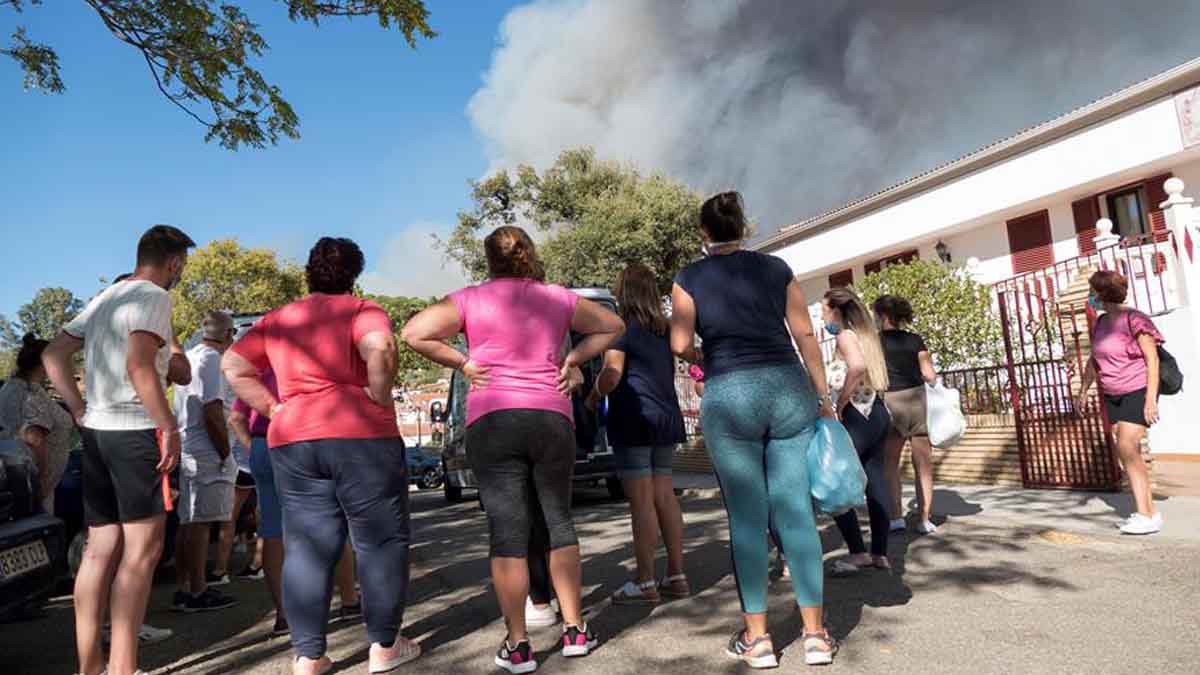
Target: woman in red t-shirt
{"x":1125,"y":360}
{"x":336,"y":452}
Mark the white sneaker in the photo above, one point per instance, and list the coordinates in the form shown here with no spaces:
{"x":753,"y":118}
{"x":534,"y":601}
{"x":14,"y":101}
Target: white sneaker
{"x":147,"y":635}
{"x":897,"y":525}
{"x":1139,"y":524}
{"x":540,"y":617}
{"x":926,"y":527}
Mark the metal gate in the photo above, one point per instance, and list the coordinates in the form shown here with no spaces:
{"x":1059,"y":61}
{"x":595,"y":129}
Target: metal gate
{"x":1046,"y":345}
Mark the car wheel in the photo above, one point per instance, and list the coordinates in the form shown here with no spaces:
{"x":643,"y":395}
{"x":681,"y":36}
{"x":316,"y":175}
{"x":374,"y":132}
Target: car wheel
{"x":431,"y":479}
{"x":453,"y":493}
{"x":615,"y":489}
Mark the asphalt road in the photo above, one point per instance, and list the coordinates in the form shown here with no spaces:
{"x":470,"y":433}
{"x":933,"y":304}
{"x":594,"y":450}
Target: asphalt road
{"x":984,"y":595}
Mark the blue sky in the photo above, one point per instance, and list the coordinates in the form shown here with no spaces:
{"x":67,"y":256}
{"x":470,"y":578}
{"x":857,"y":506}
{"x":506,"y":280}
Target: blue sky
{"x":385,"y":152}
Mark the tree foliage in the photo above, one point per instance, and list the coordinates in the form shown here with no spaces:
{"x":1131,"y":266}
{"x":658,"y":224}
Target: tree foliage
{"x":228,"y":277}
{"x":952,"y":311}
{"x":415,"y":370}
{"x":593,"y":218}
{"x":44,"y":316}
{"x":199,"y":54}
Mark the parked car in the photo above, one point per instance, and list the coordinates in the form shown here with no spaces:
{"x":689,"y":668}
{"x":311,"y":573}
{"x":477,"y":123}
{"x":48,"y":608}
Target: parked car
{"x":32,"y":542}
{"x":425,"y":467}
{"x":594,"y":460}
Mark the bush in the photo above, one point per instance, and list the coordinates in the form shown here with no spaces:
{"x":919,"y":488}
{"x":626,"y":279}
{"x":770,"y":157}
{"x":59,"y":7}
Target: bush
{"x":952,"y":311}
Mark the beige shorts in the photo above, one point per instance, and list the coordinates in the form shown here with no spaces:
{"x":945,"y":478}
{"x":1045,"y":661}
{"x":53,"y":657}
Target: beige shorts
{"x":908,"y":410}
{"x":204,"y":501}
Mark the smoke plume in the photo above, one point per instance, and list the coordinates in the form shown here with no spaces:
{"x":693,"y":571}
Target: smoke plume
{"x":805,"y":105}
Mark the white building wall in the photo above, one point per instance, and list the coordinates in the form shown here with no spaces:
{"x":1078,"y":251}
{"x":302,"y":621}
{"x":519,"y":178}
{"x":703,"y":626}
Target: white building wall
{"x":1179,"y":430}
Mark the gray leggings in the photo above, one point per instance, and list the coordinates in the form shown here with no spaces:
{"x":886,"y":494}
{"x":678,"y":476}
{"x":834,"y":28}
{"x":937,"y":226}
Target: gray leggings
{"x":324,"y":487}
{"x":524,"y":459}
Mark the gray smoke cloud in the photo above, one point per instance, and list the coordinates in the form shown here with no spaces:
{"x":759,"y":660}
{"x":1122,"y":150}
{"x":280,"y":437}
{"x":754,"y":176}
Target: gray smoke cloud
{"x":806,"y":105}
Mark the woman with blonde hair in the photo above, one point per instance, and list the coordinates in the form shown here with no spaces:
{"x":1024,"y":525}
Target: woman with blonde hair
{"x":644,"y":426}
{"x":520,"y":438}
{"x":857,"y":379}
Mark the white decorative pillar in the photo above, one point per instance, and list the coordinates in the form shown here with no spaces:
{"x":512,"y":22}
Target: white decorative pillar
{"x":1105,"y":237}
{"x":1182,"y":223}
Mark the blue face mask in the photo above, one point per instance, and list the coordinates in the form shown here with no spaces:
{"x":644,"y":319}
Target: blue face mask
{"x":832,"y":328}
{"x":1095,"y":303}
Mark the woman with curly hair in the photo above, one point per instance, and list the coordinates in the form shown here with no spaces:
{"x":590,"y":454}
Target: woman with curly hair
{"x":336,"y":452}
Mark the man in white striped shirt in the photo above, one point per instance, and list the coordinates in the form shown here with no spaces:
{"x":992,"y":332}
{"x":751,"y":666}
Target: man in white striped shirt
{"x":131,"y":443}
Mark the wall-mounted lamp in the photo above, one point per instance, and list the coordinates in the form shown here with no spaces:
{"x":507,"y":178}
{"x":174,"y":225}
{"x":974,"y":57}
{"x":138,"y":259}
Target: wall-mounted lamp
{"x":943,"y":252}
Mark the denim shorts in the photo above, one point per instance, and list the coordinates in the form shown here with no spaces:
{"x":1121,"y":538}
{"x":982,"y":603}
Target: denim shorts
{"x":644,"y":460}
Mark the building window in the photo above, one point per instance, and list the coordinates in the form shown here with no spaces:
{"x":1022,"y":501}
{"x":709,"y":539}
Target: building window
{"x":1030,"y":242}
{"x":898,"y":259}
{"x":841,"y":279}
{"x":1127,"y":214}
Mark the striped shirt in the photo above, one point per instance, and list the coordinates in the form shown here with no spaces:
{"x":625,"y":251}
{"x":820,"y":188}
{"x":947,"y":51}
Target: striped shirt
{"x":104,"y":326}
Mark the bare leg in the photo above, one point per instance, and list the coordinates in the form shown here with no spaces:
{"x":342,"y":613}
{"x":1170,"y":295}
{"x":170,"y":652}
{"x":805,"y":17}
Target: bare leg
{"x":225,"y":540}
{"x":756,"y":626}
{"x":814,"y":619}
{"x":258,"y":553}
{"x":1129,"y":449}
{"x":566,"y":571}
{"x":670,"y":522}
{"x":272,"y":564}
{"x":195,"y":549}
{"x":183,"y":574}
{"x":895,"y":448}
{"x":344,"y":577}
{"x":100,"y":560}
{"x":143,"y":540}
{"x":922,"y":455}
{"x":640,"y":491}
{"x":511,"y":578}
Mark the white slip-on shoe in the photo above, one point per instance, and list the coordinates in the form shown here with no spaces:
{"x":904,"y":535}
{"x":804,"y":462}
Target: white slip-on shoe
{"x":1139,"y":524}
{"x":388,"y":659}
{"x":539,"y":617}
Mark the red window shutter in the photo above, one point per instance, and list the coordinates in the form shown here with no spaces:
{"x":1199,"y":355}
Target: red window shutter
{"x":1030,"y":242}
{"x":1087,"y":212}
{"x":1156,"y":194}
{"x":841,"y":279}
{"x":873,"y":267}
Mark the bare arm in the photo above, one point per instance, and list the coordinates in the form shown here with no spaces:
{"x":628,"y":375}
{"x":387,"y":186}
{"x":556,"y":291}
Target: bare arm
{"x":800,"y":324}
{"x":600,"y":327}
{"x":378,"y":350}
{"x":246,"y":383}
{"x":610,"y":375}
{"x":57,"y":358}
{"x":35,"y":437}
{"x":214,"y":424}
{"x":856,"y":365}
{"x":927,"y":371}
{"x":1150,"y":350}
{"x":426,"y":333}
{"x":139,"y":366}
{"x":683,"y":325}
{"x":240,"y":424}
{"x":179,"y":371}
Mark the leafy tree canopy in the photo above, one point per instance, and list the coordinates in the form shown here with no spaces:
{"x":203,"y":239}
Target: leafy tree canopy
{"x":592,"y":217}
{"x":200,"y":53}
{"x":415,"y":370}
{"x":44,"y":316}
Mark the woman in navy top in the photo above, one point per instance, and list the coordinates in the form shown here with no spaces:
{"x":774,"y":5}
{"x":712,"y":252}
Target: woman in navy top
{"x":644,"y":426}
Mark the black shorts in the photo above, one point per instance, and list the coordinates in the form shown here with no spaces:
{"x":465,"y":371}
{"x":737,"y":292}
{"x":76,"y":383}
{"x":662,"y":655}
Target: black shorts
{"x":121,"y":482}
{"x":244,"y":480}
{"x":1129,"y":408}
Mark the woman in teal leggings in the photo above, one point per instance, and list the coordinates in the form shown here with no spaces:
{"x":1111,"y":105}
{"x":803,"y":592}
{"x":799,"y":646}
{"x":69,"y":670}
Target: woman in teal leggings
{"x":759,"y":410}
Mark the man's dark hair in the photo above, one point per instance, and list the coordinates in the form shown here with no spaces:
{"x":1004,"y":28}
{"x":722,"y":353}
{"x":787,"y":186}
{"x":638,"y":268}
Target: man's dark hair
{"x":160,"y":243}
{"x":333,"y":266}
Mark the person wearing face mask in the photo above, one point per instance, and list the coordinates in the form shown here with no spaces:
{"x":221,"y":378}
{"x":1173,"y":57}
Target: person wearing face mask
{"x":1124,"y":359}
{"x":857,"y":379}
{"x":759,"y":414}
{"x":126,"y":335}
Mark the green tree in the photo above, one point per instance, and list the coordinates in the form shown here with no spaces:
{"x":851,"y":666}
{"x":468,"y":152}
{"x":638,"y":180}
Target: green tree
{"x":226,"y":276}
{"x":593,"y":218}
{"x":44,"y":315}
{"x":199,"y":54}
{"x":415,"y":370}
{"x":8,"y":363}
{"x":952,"y":311}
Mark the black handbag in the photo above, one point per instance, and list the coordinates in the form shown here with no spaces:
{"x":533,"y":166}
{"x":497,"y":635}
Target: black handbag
{"x":1170,"y":378}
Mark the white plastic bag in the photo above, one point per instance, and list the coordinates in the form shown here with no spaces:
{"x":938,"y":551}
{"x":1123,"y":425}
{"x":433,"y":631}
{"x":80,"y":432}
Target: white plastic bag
{"x":944,"y":415}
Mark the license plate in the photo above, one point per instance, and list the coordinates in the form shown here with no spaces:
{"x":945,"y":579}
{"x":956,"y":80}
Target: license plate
{"x":26,"y":558}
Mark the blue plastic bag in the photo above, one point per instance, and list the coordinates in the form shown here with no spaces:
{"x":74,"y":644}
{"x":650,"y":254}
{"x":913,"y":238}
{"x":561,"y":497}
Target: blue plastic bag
{"x":835,"y":474}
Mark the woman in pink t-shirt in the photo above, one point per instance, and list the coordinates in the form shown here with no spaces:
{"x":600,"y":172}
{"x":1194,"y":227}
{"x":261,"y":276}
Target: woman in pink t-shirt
{"x":1125,"y":360}
{"x":520,"y":440}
